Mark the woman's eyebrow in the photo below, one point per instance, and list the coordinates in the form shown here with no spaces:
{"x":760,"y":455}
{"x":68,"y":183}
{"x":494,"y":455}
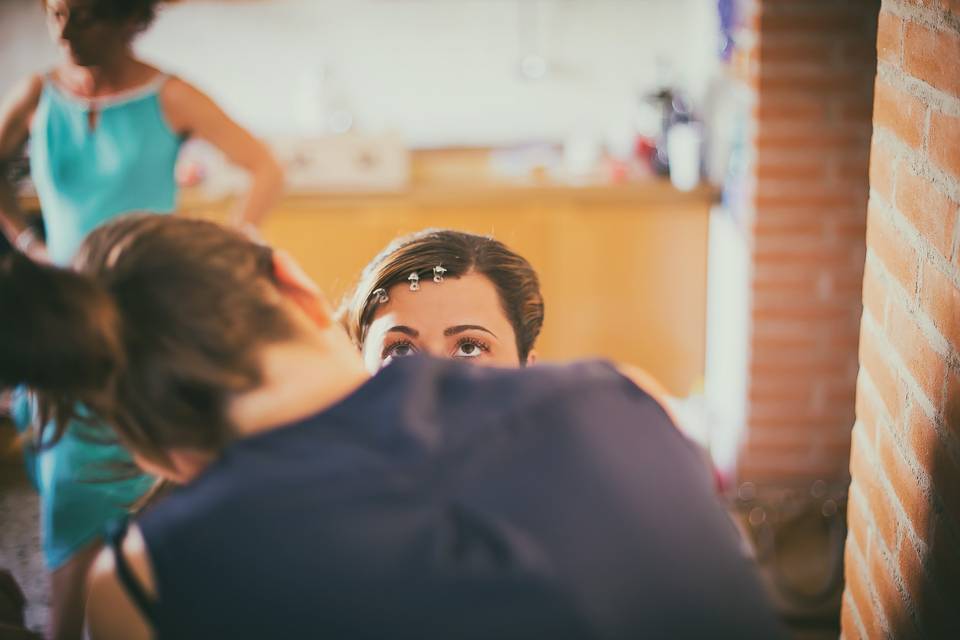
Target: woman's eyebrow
{"x":409,"y":331}
{"x":460,"y":328}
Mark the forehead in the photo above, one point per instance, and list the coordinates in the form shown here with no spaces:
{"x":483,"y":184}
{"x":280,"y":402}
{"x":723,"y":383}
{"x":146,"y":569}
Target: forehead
{"x":470,"y":299}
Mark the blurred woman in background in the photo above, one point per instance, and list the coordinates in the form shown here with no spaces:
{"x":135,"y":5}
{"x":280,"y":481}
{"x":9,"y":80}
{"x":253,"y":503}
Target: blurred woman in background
{"x":103,"y":131}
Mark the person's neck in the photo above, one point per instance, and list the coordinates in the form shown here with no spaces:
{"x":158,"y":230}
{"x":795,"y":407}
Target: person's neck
{"x":120,"y":73}
{"x":300,"y":378}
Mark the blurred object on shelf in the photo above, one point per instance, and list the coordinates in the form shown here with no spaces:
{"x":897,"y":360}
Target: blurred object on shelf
{"x":583,"y":160}
{"x":663,"y":99}
{"x":348,"y":162}
{"x":618,"y":170}
{"x":679,"y":141}
{"x":200,"y":164}
{"x":683,"y":149}
{"x":333,"y":163}
{"x":644,"y":150}
{"x":525,"y":163}
{"x":667,"y":103}
{"x":620,"y":139}
{"x":582,"y":155}
{"x":189,"y":173}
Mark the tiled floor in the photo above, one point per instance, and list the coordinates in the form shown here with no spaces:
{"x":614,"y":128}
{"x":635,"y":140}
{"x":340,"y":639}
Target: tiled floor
{"x":20,"y":531}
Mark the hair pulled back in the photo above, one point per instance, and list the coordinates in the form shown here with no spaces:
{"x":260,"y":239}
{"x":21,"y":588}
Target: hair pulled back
{"x":159,"y":323}
{"x":460,"y":253}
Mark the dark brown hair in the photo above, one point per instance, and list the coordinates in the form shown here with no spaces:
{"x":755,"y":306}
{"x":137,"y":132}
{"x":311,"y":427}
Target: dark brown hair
{"x":459,"y":253}
{"x":141,"y":12}
{"x":161,"y":322}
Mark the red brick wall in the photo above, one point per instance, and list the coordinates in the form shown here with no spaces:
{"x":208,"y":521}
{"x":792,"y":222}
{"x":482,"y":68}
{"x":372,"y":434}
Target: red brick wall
{"x":812,"y":69}
{"x":903,"y":549}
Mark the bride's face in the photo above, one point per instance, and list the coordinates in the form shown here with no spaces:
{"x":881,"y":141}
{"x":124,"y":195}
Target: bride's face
{"x":457,"y":318}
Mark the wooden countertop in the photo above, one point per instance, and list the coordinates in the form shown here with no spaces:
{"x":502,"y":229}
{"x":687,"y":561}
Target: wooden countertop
{"x":457,"y":175}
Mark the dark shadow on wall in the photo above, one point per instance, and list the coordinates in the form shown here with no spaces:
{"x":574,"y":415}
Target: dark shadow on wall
{"x":938,"y":582}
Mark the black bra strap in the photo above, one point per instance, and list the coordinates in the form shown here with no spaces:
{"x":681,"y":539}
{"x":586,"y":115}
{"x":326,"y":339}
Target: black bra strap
{"x":134,"y":589}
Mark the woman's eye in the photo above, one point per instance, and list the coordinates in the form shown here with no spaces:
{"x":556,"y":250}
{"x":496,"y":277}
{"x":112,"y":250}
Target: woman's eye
{"x":469,"y":350}
{"x":399,"y":350}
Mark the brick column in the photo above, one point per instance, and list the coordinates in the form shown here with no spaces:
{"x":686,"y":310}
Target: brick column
{"x":903,"y":549}
{"x":812,"y":71}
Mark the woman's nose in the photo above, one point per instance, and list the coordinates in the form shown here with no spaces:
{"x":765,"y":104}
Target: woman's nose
{"x":433,"y":350}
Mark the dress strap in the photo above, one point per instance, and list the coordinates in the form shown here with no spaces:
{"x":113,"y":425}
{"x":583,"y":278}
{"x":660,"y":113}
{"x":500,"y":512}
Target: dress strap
{"x":146,"y":89}
{"x":115,"y":536}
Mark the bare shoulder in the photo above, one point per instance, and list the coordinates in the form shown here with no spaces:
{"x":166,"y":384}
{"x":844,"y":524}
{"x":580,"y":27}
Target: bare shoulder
{"x":111,"y":612}
{"x":176,"y":88}
{"x":185,"y":106}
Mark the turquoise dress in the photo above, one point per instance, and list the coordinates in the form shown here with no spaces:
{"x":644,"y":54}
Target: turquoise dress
{"x":84,"y":176}
{"x":87,"y":175}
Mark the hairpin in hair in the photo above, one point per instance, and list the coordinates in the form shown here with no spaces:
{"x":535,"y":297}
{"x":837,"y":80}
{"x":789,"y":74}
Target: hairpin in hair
{"x":380,"y":296}
{"x":414,"y":279}
{"x":438,"y":272}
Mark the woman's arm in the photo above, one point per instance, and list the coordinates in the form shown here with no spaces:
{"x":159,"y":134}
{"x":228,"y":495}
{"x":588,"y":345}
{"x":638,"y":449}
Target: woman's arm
{"x":16,"y":112}
{"x":191,"y":112}
{"x":111,"y":612}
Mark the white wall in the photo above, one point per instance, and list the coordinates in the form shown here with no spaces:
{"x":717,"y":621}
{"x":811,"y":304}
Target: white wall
{"x":440,"y":71}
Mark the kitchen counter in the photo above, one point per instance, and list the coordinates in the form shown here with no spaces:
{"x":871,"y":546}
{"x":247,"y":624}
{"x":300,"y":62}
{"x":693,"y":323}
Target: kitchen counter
{"x":454,"y":174}
{"x":446,"y":175}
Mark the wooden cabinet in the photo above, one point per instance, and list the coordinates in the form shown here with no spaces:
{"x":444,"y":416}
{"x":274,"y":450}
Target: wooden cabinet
{"x":623,"y":268}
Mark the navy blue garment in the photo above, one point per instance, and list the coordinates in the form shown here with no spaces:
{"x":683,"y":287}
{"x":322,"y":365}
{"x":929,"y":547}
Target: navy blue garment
{"x":442,"y":500}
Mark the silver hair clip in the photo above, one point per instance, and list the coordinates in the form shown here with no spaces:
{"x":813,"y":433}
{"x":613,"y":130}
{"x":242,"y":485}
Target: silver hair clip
{"x":380,"y":296}
{"x":414,"y":279}
{"x":438,"y":272}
